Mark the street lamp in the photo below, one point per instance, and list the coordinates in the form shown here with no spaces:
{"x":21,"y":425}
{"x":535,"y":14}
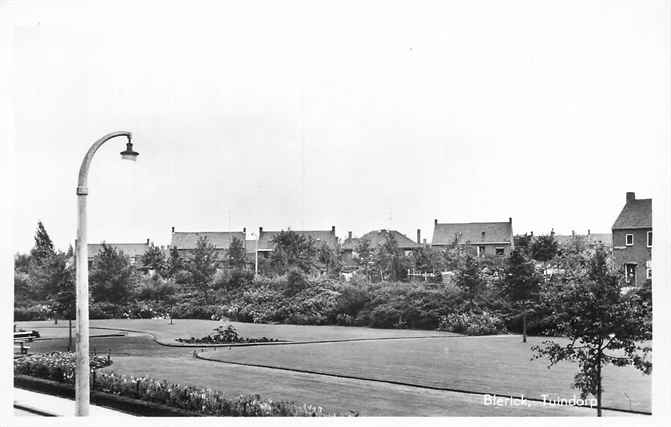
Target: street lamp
{"x":82,"y":386}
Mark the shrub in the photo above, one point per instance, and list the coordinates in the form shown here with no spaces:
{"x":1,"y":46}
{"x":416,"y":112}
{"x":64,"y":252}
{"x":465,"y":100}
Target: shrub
{"x":56,"y":366}
{"x":471,"y":323}
{"x":33,"y":312}
{"x":105,"y":310}
{"x":224,"y":335}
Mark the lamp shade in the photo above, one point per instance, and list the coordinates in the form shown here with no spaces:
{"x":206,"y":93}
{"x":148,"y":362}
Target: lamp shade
{"x":128,"y":153}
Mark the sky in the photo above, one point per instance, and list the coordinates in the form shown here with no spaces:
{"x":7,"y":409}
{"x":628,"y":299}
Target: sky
{"x":358,"y":115}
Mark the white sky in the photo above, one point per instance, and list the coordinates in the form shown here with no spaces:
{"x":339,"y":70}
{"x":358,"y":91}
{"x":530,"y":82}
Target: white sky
{"x":362,"y":115}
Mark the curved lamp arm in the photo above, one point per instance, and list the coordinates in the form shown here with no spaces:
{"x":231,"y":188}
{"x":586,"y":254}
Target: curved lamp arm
{"x":82,"y":189}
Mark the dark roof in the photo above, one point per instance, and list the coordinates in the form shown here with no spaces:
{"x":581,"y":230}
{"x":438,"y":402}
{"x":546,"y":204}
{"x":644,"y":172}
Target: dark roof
{"x":495,"y":232}
{"x":266,"y":238}
{"x":129,"y":249}
{"x":605,"y":238}
{"x":250,"y":246}
{"x":636,"y":213}
{"x":376,"y":238}
{"x":220,"y":239}
{"x":351,"y":243}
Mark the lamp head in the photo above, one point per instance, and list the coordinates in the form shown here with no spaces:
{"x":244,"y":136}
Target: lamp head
{"x":129,"y":153}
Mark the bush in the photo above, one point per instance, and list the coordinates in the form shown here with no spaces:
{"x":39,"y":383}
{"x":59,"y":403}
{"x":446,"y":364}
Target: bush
{"x":33,"y":312}
{"x":224,"y":335}
{"x":471,"y":323}
{"x":56,"y":366}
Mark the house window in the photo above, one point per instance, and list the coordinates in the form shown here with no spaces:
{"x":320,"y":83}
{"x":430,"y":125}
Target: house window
{"x":481,"y":251}
{"x":649,"y":239}
{"x":648,"y":269}
{"x":629,"y":239}
{"x":630,"y":274}
{"x":500,"y":251}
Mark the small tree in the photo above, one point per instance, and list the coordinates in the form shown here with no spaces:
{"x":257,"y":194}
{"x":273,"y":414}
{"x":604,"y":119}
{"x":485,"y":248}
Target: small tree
{"x":293,"y":250}
{"x":203,"y":266}
{"x":590,"y":310}
{"x":521,"y":285}
{"x":236,"y":256}
{"x":175,"y":263}
{"x":364,"y":257}
{"x":544,"y":248}
{"x":154,"y":259}
{"x":44,"y":247}
{"x":111,"y":276}
{"x":389,"y":259}
{"x":469,"y":280}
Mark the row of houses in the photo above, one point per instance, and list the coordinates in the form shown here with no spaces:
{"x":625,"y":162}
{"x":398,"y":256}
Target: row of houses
{"x":630,"y":237}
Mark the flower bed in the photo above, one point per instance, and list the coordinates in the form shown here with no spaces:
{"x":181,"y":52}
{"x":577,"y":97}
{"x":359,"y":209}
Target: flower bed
{"x":224,"y":335}
{"x":198,"y":401}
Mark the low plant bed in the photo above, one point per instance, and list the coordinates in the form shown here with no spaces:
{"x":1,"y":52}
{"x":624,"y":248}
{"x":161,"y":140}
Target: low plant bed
{"x":115,"y":389}
{"x":225,"y":335}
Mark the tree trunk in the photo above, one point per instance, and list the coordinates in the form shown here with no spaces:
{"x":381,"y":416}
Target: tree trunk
{"x":524,"y":326}
{"x":598,"y":384}
{"x":69,"y":334}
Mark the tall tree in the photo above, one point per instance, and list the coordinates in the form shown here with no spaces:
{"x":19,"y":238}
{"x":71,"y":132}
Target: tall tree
{"x":154,"y":259}
{"x":469,"y":280}
{"x":175,"y":263}
{"x":389,"y":258}
{"x":364,"y":257}
{"x":111,"y":276}
{"x":44,"y":247}
{"x":203,"y":266}
{"x":599,"y":320}
{"x":236,"y":256}
{"x":521,"y":285}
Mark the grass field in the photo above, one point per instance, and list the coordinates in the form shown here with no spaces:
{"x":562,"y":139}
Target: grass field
{"x":486,"y":364}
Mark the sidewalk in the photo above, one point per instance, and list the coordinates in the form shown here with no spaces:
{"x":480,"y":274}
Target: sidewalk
{"x":53,"y":405}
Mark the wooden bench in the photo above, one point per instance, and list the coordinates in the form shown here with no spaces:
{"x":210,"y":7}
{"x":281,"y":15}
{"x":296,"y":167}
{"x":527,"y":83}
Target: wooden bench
{"x":24,"y":348}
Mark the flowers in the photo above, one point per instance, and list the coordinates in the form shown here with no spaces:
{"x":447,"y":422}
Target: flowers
{"x":57,"y":366}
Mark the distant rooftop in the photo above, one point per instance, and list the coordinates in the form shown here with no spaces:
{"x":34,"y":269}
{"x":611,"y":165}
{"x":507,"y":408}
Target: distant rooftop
{"x":472,"y":232}
{"x":326,"y":236}
{"x":129,"y":249}
{"x":220,"y":239}
{"x":636,"y":213}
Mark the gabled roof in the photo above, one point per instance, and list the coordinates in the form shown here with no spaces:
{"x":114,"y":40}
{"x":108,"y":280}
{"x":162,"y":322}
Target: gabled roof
{"x":129,"y":249}
{"x":636,"y":213}
{"x":604,"y":238}
{"x":327,"y":236}
{"x":220,"y":239}
{"x":377,"y":237}
{"x":351,"y":243}
{"x":471,"y":232}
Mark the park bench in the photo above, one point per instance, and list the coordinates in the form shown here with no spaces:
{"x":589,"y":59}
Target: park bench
{"x":23,"y":347}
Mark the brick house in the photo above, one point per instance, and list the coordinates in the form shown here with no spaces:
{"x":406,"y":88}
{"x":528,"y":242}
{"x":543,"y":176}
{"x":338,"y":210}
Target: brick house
{"x":484,"y":238}
{"x":185,"y":242}
{"x":375,"y":238}
{"x":265,"y":243}
{"x":133,"y":251}
{"x":632,"y":240}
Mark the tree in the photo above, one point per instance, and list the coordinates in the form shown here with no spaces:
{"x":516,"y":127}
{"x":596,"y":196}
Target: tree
{"x":330,"y":260}
{"x":203,"y":266}
{"x":154,"y":259}
{"x":544,"y":248}
{"x":174,"y":263}
{"x":389,"y":259}
{"x":521,"y":285}
{"x":44,"y":247}
{"x":236,"y":256}
{"x":523,"y":242}
{"x":590,"y":310}
{"x":364,"y":257}
{"x":111,"y":276}
{"x":293,"y":250}
{"x":469,"y":280}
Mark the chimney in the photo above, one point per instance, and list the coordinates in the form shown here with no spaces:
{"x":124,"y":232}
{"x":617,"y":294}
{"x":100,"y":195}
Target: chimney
{"x":244,"y":229}
{"x":435,"y":221}
{"x":260,"y":231}
{"x":333,"y":229}
{"x":589,"y":232}
{"x":147,"y":241}
{"x":552,"y":232}
{"x":419,"y":236}
{"x":631,"y":196}
{"x":424,"y":242}
{"x":510,"y":220}
{"x":349,"y":234}
{"x":572,"y":233}
{"x":173,"y":229}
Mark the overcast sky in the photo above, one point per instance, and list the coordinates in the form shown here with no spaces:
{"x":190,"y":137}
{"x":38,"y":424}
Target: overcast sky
{"x":362,"y":115}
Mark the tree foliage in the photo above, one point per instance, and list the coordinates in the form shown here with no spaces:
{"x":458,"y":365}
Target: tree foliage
{"x":203,"y":266}
{"x":470,"y":281}
{"x":236,"y":256}
{"x":293,"y":250}
{"x":111,"y":276}
{"x":44,"y":247}
{"x":603,"y":325}
{"x":544,"y":248}
{"x":154,"y":259}
{"x":520,"y":285}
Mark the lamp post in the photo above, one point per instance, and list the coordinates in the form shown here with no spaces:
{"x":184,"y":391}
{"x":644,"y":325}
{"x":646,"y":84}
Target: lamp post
{"x":82,"y":386}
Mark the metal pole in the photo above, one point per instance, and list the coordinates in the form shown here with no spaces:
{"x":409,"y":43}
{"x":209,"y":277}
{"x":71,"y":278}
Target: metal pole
{"x":82,"y":367}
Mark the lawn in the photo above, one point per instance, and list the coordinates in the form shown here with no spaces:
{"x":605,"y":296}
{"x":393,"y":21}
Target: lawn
{"x":498,"y":365}
{"x":486,"y":364}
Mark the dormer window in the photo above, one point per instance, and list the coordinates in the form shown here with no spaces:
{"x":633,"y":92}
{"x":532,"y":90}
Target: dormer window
{"x":483,"y":235}
{"x":629,"y":240}
{"x":649,"y":239}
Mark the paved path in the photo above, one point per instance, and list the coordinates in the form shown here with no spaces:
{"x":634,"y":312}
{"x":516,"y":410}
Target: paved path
{"x":31,"y":403}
